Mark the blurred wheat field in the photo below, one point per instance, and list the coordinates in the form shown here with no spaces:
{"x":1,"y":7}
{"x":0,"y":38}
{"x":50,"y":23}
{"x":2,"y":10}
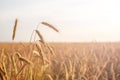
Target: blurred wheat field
{"x":60,"y":61}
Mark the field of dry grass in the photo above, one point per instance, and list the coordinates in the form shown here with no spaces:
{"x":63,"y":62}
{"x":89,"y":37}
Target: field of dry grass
{"x":60,"y":61}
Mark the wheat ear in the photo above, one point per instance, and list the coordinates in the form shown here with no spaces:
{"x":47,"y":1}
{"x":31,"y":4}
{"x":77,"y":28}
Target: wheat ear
{"x":40,"y":36}
{"x":14,"y":30}
{"x":49,"y":25}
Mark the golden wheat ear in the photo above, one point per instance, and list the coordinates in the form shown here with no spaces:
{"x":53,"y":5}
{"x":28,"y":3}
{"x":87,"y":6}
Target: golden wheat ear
{"x":40,"y":36}
{"x":14,"y":30}
{"x":49,"y":25}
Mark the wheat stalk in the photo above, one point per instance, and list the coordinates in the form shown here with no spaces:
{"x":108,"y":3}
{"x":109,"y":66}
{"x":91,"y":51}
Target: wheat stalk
{"x":103,"y":67}
{"x":14,"y":64}
{"x":112,"y":71}
{"x":41,"y":53}
{"x":14,"y":30}
{"x":66,"y":72}
{"x":50,"y":49}
{"x":2,"y":74}
{"x":25,"y":60}
{"x":21,"y":69}
{"x":49,"y":76}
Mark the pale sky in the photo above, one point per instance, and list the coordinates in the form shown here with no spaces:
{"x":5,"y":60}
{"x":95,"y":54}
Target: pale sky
{"x":77,"y":20}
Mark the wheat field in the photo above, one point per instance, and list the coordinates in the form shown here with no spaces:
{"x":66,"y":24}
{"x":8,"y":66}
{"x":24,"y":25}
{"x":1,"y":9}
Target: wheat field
{"x":41,"y":60}
{"x":70,"y":61}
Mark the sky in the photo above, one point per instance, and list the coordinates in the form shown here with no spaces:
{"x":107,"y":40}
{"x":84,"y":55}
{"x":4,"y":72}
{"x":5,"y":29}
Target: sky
{"x":77,"y":20}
